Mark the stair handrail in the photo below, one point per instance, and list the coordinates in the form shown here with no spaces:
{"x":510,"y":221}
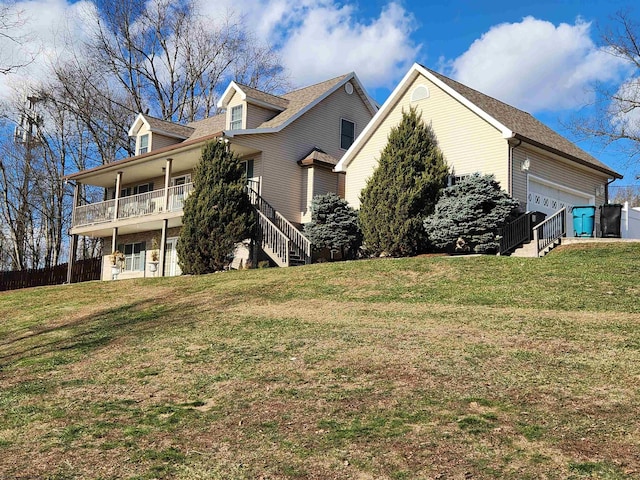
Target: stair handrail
{"x":550,"y":230}
{"x":515,"y":233}
{"x":299,"y":244}
{"x":273,"y":238}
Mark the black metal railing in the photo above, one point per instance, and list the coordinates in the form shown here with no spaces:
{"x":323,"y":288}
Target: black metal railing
{"x":515,"y":233}
{"x":549,"y":231}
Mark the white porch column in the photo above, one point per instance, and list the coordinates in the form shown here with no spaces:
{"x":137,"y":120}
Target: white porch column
{"x":163,"y":244}
{"x":117,"y":195}
{"x":167,"y":184}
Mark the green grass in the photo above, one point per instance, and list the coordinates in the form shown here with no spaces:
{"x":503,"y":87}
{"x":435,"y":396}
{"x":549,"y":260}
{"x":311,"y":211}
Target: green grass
{"x":396,"y":368}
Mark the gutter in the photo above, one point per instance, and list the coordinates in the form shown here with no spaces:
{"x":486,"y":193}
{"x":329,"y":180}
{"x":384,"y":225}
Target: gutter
{"x":602,"y":169}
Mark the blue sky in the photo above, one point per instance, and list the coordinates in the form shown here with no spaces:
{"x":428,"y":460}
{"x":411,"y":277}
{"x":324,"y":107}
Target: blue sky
{"x":544,"y":57}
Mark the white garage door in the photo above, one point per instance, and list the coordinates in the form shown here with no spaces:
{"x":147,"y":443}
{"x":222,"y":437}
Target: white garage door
{"x":548,"y":198}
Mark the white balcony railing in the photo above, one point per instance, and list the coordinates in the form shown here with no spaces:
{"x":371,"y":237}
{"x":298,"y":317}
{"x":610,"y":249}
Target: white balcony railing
{"x":140,"y":205}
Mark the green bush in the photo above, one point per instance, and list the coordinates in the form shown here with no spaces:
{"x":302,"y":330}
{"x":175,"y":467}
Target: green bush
{"x":217,"y":215}
{"x":403,"y":189}
{"x":473,"y":210}
{"x":334,"y":225}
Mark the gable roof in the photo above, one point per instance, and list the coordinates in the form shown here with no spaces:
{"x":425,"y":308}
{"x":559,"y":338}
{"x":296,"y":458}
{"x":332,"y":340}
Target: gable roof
{"x":304,"y":99}
{"x":163,"y":127}
{"x":252,"y":95}
{"x":510,"y":121}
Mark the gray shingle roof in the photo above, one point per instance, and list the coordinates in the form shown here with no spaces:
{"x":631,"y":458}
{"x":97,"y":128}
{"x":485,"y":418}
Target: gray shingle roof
{"x":264,"y":96}
{"x":318,"y":157}
{"x":299,"y":99}
{"x":525,"y":126}
{"x":169,"y":127}
{"x":208,"y":126}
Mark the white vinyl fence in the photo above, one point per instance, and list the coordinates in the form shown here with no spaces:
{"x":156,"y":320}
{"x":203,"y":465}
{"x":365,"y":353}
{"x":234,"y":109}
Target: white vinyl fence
{"x":630,"y":221}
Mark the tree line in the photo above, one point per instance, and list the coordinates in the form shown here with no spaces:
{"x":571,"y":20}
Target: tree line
{"x":161,"y":57}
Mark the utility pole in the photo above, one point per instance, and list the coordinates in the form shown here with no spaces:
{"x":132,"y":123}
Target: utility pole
{"x":26,"y":134}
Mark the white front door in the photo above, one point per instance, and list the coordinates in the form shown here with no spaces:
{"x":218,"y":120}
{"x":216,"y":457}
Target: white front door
{"x":548,"y":198}
{"x":171,"y":267}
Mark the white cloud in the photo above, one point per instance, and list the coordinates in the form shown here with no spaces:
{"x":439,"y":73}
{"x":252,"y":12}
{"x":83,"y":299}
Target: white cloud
{"x":319,"y":39}
{"x":537,"y":66}
{"x":50,"y":29}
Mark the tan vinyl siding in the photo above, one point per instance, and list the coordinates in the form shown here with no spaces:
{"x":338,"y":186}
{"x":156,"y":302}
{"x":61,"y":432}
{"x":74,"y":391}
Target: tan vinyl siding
{"x":470,"y":144}
{"x":160,"y":141}
{"x":556,"y":170}
{"x":324,"y":181}
{"x":306,"y":194}
{"x":257,"y":115}
{"x":282,"y":150}
{"x":316,"y":181}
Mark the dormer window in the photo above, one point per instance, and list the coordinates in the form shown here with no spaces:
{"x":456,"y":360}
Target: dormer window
{"x":347,"y":134}
{"x":143,"y":145}
{"x":236,"y":118}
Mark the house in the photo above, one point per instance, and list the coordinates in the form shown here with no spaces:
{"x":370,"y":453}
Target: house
{"x":477,"y":133}
{"x":288,"y":144}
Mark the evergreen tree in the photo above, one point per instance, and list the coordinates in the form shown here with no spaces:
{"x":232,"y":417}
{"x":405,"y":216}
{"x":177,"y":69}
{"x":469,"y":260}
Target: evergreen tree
{"x":217,"y":215}
{"x":334,"y":225}
{"x":403,"y":189}
{"x":474,"y":210}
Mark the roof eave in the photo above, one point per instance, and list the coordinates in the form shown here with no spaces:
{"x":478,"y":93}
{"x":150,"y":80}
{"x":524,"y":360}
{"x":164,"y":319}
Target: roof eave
{"x":608,"y":171}
{"x":144,"y":157}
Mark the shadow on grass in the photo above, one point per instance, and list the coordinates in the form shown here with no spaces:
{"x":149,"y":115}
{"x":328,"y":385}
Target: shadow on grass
{"x":90,"y":332}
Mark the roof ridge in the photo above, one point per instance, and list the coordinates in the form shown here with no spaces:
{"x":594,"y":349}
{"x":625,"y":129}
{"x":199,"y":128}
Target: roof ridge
{"x":258,"y":90}
{"x":318,"y":83}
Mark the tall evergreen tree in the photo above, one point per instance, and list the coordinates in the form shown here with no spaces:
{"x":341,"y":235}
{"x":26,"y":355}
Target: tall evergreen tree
{"x":217,"y":215}
{"x":403,"y":189}
{"x":334,"y":225}
{"x":474,"y":210}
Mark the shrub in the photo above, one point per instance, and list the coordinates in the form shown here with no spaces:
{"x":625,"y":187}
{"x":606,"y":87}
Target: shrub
{"x":403,"y":189}
{"x":473,"y":210}
{"x":334,"y":225}
{"x":217,"y":215}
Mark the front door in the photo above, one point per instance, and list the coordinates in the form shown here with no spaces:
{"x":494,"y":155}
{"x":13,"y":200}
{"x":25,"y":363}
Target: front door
{"x":171,"y":267}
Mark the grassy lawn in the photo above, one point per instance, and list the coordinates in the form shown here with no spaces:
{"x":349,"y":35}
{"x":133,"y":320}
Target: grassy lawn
{"x":422,"y":368}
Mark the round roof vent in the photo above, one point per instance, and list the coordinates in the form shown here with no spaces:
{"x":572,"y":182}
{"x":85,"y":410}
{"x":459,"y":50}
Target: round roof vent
{"x":348,"y":87}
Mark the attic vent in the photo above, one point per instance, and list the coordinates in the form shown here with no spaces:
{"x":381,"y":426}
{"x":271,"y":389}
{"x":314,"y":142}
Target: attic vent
{"x":419,"y":93}
{"x":348,"y":87}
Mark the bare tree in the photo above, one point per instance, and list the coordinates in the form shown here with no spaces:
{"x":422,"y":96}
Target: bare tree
{"x":12,"y":20}
{"x":617,"y":109}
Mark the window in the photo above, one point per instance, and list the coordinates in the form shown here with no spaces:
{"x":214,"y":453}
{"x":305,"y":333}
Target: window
{"x":347,"y":134}
{"x":134,"y":256}
{"x":181,"y":180}
{"x":454,"y":179}
{"x":236,"y":118}
{"x":143,"y":147}
{"x":142,"y":188}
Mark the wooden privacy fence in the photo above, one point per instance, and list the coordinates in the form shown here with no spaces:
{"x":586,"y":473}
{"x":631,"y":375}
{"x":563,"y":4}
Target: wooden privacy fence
{"x":83,"y":271}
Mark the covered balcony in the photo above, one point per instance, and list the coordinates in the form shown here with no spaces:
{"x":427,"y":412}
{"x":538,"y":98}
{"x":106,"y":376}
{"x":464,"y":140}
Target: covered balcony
{"x":134,"y":206}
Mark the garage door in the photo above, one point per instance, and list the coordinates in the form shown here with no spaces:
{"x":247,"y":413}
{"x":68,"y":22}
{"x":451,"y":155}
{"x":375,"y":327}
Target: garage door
{"x":548,"y":199}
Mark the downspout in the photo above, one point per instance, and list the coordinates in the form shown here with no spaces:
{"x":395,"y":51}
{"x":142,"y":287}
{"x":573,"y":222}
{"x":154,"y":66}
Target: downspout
{"x":510,"y":167}
{"x":606,"y":190}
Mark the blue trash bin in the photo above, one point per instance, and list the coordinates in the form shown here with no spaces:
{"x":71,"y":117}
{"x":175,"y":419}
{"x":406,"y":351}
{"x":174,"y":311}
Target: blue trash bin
{"x":583,"y":220}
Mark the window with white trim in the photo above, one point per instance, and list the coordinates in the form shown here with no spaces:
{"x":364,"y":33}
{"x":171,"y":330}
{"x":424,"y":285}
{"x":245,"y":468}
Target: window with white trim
{"x":134,"y":256}
{"x":236,"y":118}
{"x":143,"y":144}
{"x":347,"y":133}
